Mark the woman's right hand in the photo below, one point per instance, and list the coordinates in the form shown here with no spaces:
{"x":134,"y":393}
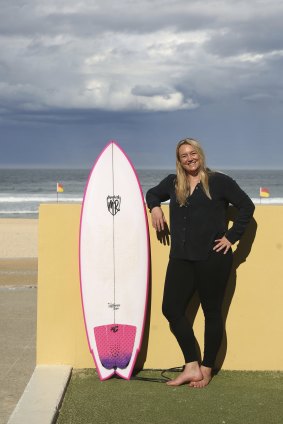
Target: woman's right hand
{"x":157,"y":218}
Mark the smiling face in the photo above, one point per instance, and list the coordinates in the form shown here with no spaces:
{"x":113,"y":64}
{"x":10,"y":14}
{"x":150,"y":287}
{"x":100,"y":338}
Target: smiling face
{"x":189,"y":159}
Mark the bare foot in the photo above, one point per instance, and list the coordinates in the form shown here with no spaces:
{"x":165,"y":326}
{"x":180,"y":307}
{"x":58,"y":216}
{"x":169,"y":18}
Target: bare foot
{"x":207,"y":376}
{"x":190,"y":373}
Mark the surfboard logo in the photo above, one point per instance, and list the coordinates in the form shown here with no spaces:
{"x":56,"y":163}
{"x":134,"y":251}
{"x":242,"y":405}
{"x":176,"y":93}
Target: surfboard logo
{"x":114,"y":306}
{"x":113,"y":204}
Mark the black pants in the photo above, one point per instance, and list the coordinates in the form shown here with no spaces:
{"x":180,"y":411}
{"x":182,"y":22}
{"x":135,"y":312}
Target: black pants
{"x":209,"y":278}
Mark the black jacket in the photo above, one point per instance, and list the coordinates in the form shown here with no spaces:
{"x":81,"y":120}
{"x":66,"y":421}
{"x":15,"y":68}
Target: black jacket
{"x":195,"y":226}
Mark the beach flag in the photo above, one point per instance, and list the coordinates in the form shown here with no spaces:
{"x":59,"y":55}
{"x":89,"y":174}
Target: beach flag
{"x":60,"y":188}
{"x":263,"y":192}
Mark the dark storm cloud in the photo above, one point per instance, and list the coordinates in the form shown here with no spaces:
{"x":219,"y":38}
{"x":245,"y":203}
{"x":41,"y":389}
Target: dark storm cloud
{"x":149,"y":91}
{"x":133,"y":67}
{"x":99,"y":54}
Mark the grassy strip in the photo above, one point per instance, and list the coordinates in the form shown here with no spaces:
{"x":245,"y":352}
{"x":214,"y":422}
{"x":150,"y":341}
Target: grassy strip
{"x":232,"y":397}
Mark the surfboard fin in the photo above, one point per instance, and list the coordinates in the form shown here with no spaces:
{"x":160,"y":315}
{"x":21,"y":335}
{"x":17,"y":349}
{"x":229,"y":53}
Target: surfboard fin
{"x":115,"y":344}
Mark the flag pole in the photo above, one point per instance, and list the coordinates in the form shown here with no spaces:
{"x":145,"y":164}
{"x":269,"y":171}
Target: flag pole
{"x":263,"y":192}
{"x":59,"y":189}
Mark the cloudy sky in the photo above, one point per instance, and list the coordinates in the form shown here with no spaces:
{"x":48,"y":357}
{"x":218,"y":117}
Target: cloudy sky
{"x":75,"y":74}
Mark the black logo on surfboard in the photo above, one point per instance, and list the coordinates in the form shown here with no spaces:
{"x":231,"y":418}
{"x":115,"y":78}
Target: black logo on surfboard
{"x":113,"y":204}
{"x":114,"y":306}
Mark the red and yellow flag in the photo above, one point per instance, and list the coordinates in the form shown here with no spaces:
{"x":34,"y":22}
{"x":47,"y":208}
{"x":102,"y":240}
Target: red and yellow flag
{"x":60,"y":188}
{"x":264,"y":192}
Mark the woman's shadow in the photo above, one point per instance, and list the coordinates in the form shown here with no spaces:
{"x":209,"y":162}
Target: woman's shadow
{"x":240,"y":256}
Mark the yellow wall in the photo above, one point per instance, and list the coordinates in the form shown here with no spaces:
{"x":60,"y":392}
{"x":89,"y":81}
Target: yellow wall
{"x":254,"y":324}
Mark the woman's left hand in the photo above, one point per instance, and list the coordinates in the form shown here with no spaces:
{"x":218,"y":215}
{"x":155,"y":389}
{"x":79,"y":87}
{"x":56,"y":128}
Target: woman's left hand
{"x":222,"y":243}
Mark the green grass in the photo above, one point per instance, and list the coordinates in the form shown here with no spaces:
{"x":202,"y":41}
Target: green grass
{"x":233,"y":397}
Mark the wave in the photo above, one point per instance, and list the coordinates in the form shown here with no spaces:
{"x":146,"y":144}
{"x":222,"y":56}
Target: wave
{"x":268,"y":201}
{"x":258,"y":201}
{"x":18,"y":212}
{"x":40,"y":199}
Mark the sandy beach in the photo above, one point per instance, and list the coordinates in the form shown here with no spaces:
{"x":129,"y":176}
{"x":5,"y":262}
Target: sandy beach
{"x":18,"y":251}
{"x":18,"y":297}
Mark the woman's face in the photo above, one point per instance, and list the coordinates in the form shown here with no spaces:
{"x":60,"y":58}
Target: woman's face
{"x":189,"y":159}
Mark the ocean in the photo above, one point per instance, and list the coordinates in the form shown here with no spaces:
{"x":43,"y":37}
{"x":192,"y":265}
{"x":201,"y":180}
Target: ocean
{"x":23,"y":190}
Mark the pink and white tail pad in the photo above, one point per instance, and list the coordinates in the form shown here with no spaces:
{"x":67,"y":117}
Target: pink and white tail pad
{"x":115,"y":343}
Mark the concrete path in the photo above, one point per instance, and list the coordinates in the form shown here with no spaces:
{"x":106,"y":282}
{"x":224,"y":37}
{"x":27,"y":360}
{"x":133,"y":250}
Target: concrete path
{"x":42,"y":397}
{"x":17,"y":344}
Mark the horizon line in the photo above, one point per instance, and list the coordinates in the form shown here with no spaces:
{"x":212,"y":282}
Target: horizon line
{"x":142,"y":167}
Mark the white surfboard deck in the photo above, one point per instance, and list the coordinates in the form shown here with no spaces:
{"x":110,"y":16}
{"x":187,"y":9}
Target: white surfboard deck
{"x":114,"y":263}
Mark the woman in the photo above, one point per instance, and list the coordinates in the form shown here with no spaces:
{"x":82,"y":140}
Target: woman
{"x":200,"y":255}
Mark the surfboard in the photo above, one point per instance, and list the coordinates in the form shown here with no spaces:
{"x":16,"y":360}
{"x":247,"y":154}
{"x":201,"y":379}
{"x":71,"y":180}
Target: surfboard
{"x":114,"y":263}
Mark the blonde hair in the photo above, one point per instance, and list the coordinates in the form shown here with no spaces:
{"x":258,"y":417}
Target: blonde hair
{"x":182,"y":186}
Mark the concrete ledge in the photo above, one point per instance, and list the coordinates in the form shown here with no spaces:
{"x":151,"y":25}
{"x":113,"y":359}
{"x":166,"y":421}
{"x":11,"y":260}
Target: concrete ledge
{"x":42,"y":396}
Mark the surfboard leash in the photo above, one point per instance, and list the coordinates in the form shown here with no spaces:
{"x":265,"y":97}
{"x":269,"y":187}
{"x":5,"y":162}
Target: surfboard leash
{"x":163,"y":379}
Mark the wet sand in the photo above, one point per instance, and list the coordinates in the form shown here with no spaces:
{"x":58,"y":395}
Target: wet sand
{"x":18,"y":271}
